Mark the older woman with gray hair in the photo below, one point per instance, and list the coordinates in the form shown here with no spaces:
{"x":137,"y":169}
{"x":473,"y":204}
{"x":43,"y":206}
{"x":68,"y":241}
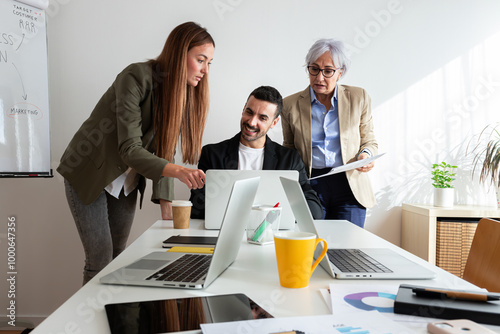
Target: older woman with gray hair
{"x":330,"y":125}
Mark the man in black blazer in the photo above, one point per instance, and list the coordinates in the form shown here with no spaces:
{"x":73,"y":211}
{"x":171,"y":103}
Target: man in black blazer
{"x":251,"y":148}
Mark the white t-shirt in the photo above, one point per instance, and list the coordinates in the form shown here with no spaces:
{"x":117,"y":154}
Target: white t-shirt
{"x":250,"y":158}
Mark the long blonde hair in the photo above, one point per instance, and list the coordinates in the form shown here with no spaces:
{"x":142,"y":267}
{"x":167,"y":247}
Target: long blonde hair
{"x":179,"y":109}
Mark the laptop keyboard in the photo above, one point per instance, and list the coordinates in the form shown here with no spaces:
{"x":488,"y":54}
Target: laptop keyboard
{"x":187,"y":268}
{"x":355,"y":260}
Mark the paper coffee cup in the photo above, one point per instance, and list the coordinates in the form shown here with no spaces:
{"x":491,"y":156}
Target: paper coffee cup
{"x":181,"y":212}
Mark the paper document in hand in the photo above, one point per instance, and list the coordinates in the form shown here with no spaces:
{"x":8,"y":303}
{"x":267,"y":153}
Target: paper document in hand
{"x":349,"y":166}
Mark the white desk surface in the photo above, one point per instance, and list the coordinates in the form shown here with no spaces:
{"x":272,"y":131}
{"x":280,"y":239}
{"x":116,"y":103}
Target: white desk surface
{"x":254,"y":273}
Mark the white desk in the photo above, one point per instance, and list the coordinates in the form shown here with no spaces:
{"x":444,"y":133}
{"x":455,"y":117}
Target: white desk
{"x":254,"y":273}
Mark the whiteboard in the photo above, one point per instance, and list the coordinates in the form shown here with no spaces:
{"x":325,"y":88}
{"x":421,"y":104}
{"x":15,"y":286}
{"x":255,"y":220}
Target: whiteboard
{"x":24,"y":98}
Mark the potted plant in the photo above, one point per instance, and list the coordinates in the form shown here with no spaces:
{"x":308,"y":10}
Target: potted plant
{"x":488,"y":158}
{"x":443,"y":175}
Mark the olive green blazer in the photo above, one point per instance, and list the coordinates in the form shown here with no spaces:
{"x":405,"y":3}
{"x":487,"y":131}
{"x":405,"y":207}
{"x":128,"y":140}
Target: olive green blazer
{"x":117,"y":135}
{"x":356,"y":133}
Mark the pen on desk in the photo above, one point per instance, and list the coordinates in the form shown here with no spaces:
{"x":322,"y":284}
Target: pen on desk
{"x":460,"y":295}
{"x":290,"y":332}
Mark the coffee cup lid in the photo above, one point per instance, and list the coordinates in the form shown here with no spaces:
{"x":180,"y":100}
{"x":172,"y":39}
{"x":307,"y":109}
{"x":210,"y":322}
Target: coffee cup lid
{"x":181,"y":203}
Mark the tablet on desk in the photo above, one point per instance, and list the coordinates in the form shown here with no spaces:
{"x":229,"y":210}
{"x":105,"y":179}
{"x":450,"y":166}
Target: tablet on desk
{"x":178,"y":315}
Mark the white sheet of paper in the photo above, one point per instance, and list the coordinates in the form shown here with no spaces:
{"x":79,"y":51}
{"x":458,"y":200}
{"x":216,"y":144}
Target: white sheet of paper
{"x":371,"y":322}
{"x":349,"y":166}
{"x":360,"y":298}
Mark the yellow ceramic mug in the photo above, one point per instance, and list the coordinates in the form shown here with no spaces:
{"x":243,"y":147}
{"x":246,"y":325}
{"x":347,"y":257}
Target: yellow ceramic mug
{"x":294,"y":255}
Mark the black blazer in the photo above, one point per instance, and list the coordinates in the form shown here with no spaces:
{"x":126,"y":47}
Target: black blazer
{"x":224,"y":155}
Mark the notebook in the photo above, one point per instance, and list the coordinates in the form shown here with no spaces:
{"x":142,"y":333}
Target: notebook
{"x":157,"y":268}
{"x":270,"y":192}
{"x":189,"y":241}
{"x":398,"y":266}
{"x":408,"y":302}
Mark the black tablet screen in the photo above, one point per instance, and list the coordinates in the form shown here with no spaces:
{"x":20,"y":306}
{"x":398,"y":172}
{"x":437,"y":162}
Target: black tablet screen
{"x":174,"y":315}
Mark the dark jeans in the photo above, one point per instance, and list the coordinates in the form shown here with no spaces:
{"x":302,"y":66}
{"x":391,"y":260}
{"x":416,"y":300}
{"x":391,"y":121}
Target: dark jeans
{"x":337,"y":198}
{"x":104,"y":227}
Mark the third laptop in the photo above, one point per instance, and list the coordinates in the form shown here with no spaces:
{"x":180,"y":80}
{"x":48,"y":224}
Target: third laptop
{"x":378,"y":263}
{"x":218,"y":187}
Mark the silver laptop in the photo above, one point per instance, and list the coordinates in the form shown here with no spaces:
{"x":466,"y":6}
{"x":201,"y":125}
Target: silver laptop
{"x":384,"y":262}
{"x":218,"y":186}
{"x":194,"y":271}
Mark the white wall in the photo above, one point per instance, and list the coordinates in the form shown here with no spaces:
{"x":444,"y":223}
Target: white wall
{"x":431,"y":68}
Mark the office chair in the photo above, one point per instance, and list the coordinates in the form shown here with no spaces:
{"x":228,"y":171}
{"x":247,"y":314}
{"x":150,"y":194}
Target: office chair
{"x":483,"y":264}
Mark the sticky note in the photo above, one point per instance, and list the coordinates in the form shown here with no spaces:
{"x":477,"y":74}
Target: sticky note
{"x":201,"y":250}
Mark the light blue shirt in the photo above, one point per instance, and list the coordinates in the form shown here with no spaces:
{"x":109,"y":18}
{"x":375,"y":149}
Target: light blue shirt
{"x":325,"y":133}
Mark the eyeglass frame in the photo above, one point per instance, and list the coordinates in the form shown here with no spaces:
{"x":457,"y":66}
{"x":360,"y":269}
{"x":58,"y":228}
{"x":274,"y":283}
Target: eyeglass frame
{"x":321,"y":70}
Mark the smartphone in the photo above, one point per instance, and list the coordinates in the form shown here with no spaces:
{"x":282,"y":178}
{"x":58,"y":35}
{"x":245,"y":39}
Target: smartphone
{"x":459,"y":326}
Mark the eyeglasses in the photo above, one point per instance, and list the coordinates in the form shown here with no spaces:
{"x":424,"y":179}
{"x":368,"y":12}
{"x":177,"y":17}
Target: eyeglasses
{"x":327,"y":72}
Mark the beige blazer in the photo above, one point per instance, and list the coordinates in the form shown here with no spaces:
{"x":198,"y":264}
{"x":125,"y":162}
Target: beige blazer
{"x":356,"y":133}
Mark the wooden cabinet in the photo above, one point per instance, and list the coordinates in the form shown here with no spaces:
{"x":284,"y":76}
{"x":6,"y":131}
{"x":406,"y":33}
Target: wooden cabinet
{"x":419,"y":225}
